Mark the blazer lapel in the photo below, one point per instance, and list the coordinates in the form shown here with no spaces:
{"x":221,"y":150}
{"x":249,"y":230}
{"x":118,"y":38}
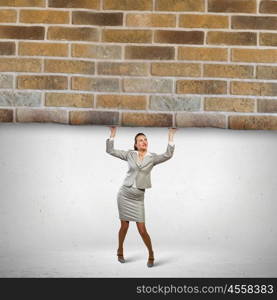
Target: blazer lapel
{"x":142,"y":163}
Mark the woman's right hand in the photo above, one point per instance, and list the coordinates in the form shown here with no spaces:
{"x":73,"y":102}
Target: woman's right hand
{"x":113,"y":131}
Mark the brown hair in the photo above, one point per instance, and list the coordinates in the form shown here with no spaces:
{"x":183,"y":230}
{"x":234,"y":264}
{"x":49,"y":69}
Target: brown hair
{"x":140,"y":133}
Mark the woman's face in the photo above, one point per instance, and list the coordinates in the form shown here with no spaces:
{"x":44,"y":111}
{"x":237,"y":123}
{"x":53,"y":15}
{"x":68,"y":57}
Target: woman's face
{"x":142,"y":143}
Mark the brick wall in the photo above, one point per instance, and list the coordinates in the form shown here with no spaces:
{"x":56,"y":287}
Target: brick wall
{"x":162,"y":63}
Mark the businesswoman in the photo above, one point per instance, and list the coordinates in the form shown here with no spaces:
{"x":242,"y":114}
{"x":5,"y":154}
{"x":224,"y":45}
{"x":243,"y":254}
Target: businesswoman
{"x":130,"y":197}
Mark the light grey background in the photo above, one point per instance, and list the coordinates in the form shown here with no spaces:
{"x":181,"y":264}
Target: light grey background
{"x":211,"y":210}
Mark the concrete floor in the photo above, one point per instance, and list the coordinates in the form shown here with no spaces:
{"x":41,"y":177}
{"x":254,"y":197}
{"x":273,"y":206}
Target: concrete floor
{"x":187,"y":262}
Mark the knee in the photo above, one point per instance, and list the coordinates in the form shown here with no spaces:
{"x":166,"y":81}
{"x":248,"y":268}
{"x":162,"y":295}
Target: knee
{"x":124,"y":226}
{"x":143,"y":232}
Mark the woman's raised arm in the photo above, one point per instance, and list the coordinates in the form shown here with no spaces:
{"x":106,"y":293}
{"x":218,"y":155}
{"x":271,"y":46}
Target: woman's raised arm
{"x":159,"y":158}
{"x":122,"y":154}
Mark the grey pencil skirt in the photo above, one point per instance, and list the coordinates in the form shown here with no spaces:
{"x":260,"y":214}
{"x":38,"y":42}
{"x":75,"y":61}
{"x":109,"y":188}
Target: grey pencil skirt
{"x":130,"y":203}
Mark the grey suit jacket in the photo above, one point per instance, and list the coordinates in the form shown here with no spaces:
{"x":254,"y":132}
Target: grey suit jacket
{"x":139,"y":171}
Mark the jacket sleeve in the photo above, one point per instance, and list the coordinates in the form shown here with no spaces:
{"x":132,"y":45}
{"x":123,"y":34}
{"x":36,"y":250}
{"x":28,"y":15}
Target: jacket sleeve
{"x":159,"y":158}
{"x":122,"y":154}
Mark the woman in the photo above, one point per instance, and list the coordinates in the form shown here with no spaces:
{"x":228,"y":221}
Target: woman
{"x":130,"y":198}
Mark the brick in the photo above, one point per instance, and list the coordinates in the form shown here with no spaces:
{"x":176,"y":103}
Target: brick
{"x":253,"y":88}
{"x":44,"y":16}
{"x":266,"y":72}
{"x":92,"y":4}
{"x":7,"y":16}
{"x":127,"y":36}
{"x":20,"y":65}
{"x":6,"y":115}
{"x":96,"y":51}
{"x":252,"y":122}
{"x":201,"y":86}
{"x":176,"y":69}
{"x":231,"y":38}
{"x":147,"y":119}
{"x":122,"y":101}
{"x":268,"y":39}
{"x":194,"y":119}
{"x":151,"y":20}
{"x":229,"y":104}
{"x":6,"y":81}
{"x":95,"y":18}
{"x":68,"y":100}
{"x":7,"y":48}
{"x":150,"y":85}
{"x":42,"y":49}
{"x":198,"y":53}
{"x":95,"y":84}
{"x":174,"y":103}
{"x":268,"y":7}
{"x":267,"y":105}
{"x":203,"y":21}
{"x":254,"y":55}
{"x":19,"y":3}
{"x":122,"y":68}
{"x":41,"y":115}
{"x":239,"y":6}
{"x":149,"y":52}
{"x":180,"y":5}
{"x":69,"y":66}
{"x":228,"y":71}
{"x":22,"y":32}
{"x":15,"y":98}
{"x":254,"y":22}
{"x":179,"y":37}
{"x":73,"y":33}
{"x":43,"y":82}
{"x":94,"y":117}
{"x":127,"y":5}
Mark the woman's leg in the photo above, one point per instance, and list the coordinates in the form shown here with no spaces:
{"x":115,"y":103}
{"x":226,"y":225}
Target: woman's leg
{"x":121,"y":235}
{"x":145,"y":236}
